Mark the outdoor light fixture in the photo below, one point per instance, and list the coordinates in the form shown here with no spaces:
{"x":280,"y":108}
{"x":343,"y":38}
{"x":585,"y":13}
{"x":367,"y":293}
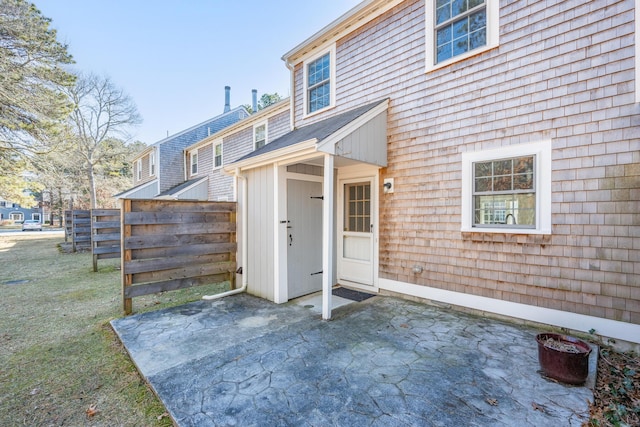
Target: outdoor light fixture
{"x":387,"y":187}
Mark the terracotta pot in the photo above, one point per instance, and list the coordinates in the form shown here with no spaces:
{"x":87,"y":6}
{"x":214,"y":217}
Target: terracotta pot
{"x":567,"y":362}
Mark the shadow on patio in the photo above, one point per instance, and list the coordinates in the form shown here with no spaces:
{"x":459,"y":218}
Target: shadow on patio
{"x":385,"y":361}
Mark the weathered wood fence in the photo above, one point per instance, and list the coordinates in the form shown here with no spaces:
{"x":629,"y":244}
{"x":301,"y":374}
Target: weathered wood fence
{"x":68,"y":225}
{"x":80,"y":233}
{"x":169,"y":245}
{"x":105,"y":234}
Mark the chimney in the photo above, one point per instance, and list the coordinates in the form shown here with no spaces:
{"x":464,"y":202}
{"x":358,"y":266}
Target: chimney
{"x":227,"y":99}
{"x":254,"y":99}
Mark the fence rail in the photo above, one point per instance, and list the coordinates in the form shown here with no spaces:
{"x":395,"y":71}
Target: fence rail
{"x":170,"y":245}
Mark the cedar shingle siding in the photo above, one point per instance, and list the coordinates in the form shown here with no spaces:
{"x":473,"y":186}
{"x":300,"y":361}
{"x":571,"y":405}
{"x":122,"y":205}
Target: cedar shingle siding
{"x":564,"y":71}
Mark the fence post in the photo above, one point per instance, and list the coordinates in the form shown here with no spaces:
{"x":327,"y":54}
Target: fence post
{"x":127,"y":303}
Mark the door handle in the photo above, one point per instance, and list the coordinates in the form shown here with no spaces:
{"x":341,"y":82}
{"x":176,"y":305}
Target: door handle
{"x":290,"y":239}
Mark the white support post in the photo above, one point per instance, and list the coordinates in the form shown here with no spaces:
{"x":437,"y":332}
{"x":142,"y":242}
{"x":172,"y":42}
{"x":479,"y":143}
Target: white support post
{"x":327,"y":236}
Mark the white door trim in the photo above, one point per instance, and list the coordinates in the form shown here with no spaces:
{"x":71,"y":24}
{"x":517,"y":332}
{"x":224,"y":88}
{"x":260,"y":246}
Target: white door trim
{"x":355,"y":174}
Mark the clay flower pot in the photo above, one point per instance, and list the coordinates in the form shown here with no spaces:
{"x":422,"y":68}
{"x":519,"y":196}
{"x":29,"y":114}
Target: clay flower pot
{"x":563,"y":358}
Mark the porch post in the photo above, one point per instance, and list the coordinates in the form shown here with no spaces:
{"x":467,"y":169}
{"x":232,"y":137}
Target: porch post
{"x":327,"y":236}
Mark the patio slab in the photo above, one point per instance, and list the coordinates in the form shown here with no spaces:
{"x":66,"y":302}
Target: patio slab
{"x":244,"y":361}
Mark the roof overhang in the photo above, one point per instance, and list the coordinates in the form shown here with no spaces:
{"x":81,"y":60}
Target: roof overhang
{"x":363,"y":139}
{"x":175,"y":193}
{"x":130,"y":193}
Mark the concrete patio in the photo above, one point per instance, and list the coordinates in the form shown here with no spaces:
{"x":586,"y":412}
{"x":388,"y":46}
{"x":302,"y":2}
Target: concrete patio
{"x":243,"y":361}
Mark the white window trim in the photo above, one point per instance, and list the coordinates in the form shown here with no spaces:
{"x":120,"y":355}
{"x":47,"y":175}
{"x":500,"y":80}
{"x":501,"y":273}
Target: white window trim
{"x":542,"y":151}
{"x":332,"y":81}
{"x":493,"y":35}
{"x":139,"y":169}
{"x":191,"y":155}
{"x":216,"y":144}
{"x":152,"y":163}
{"x":266,"y":133}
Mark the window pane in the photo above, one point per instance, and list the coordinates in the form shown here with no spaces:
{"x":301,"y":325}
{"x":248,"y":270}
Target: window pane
{"x":483,"y":184}
{"x":444,"y":35}
{"x":523,"y":182}
{"x":444,"y":52}
{"x":502,"y":167}
{"x":460,"y":28}
{"x":443,"y":13}
{"x":478,"y":39}
{"x":458,"y":6}
{"x":474,"y":3}
{"x":502,"y":183}
{"x":460,"y":46}
{"x":523,"y":165}
{"x":483,"y":169}
{"x":477,"y":21}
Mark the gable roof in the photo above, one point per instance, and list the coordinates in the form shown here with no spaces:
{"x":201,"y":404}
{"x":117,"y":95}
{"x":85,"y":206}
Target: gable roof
{"x":202,"y":130}
{"x":316,"y":132}
{"x":174,"y":191}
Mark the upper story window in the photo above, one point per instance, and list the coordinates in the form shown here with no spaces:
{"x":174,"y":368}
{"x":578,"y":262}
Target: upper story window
{"x":217,"y":155}
{"x":152,"y":163}
{"x":139,"y":169}
{"x":319,"y":84}
{"x":193,"y":156}
{"x":507,"y":189}
{"x":260,"y":135}
{"x":457,"y":29}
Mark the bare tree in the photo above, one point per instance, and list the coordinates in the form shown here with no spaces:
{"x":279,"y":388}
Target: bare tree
{"x":102,"y":112}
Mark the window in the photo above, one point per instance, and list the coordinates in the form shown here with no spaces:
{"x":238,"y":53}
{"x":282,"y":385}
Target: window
{"x":357,"y":209}
{"x":152,"y":163}
{"x":139,"y":169}
{"x":504,"y":193}
{"x":508,"y":189}
{"x":457,"y":29}
{"x":260,"y":135}
{"x":217,"y":155}
{"x":194,"y":162}
{"x":16,"y":216}
{"x":319,"y":88}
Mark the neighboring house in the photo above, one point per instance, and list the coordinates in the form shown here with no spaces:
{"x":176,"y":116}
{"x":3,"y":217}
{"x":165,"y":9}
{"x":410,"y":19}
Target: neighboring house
{"x":14,"y":212}
{"x":207,"y":158}
{"x":485,"y":157}
{"x":159,"y":170}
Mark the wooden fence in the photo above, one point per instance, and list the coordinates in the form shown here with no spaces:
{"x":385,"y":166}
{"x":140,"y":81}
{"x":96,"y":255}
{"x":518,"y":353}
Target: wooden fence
{"x":169,"y":245}
{"x":68,"y":225}
{"x":105,"y":234}
{"x":81,"y":230}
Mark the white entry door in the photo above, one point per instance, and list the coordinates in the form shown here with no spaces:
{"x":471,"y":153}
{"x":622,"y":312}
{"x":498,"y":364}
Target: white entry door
{"x":356,"y":236}
{"x":304,"y":237}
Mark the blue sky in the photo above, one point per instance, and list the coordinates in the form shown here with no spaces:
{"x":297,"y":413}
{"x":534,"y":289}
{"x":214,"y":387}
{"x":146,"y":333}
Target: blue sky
{"x":175,"y":57}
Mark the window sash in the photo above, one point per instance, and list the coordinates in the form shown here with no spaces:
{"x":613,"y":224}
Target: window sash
{"x":194,"y":163}
{"x":504,"y":192}
{"x":319,"y":83}
{"x":260,"y":136}
{"x":217,"y":154}
{"x":460,"y":26}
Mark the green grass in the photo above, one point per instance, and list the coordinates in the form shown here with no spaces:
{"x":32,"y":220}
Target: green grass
{"x":58,"y":353}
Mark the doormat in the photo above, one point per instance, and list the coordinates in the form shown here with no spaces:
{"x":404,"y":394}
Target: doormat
{"x":351,"y":294}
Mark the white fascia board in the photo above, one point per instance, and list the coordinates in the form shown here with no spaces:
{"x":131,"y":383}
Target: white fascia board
{"x":328,"y":144}
{"x":138,"y":188}
{"x":355,"y":18}
{"x":274,"y":156}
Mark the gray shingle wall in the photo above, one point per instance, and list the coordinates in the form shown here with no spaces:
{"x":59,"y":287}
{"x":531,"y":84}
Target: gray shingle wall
{"x":171,"y":162}
{"x":279,"y":125}
{"x":564,"y":71}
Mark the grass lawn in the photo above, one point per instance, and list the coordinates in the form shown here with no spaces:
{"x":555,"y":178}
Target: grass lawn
{"x":60,"y":362}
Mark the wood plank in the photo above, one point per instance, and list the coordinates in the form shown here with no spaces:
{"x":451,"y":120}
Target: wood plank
{"x":182,"y":272}
{"x":172,"y":285}
{"x":162,"y":241}
{"x":105,"y":224}
{"x":105,"y":212}
{"x":108,"y":255}
{"x":150,"y":218}
{"x":186,"y":228}
{"x":192,"y":250}
{"x":172,"y":263}
{"x":181,"y":206}
{"x":106,"y":250}
{"x":106,"y":237}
